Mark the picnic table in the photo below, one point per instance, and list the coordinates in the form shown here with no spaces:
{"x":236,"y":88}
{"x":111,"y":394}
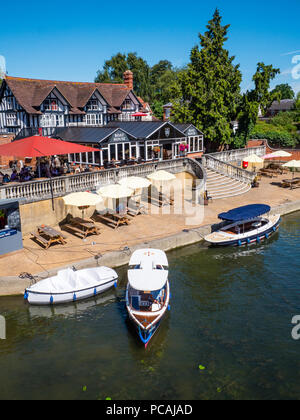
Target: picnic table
{"x":47,"y":236}
{"x":272,"y":173}
{"x":295,"y":182}
{"x":115,"y":219}
{"x":82,"y":227}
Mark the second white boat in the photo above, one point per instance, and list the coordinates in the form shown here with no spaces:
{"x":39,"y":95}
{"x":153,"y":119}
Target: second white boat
{"x":70,"y":286}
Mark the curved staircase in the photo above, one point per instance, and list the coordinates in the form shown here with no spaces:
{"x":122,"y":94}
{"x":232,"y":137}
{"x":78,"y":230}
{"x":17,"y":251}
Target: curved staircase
{"x":222,"y":186}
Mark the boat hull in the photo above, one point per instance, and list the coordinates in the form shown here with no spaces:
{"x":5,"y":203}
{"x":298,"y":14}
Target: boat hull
{"x":249,"y":238}
{"x":153,"y":322}
{"x":39,"y":298}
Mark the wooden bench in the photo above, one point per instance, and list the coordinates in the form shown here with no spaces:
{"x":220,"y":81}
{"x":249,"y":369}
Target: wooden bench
{"x":82,"y":228}
{"x":114,"y":219}
{"x":40,"y":239}
{"x":47,"y":236}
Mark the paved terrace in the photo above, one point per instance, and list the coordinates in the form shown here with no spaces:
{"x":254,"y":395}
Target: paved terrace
{"x":34,"y":259}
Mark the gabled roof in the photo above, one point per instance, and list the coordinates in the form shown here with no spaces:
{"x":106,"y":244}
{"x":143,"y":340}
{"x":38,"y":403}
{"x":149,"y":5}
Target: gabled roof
{"x":143,"y":129}
{"x":92,"y":135}
{"x":30,"y":93}
{"x":185,"y":127}
{"x":284,"y":105}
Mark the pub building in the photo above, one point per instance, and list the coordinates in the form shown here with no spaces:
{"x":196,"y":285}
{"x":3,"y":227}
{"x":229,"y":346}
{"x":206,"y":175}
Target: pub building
{"x":126,"y":142}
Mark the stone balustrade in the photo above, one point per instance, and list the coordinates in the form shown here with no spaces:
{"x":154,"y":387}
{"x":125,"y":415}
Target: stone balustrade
{"x":225,"y":168}
{"x":58,"y":187}
{"x":236,"y":155}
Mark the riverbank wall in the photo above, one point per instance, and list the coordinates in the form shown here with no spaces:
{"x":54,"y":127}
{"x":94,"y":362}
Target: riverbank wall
{"x":115,"y":259}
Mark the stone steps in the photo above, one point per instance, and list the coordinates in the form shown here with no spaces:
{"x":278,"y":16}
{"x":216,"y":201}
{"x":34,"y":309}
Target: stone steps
{"x":221,"y":186}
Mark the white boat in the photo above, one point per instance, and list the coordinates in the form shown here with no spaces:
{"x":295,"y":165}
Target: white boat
{"x":148,"y":291}
{"x":71,"y":286}
{"x":245,"y":225}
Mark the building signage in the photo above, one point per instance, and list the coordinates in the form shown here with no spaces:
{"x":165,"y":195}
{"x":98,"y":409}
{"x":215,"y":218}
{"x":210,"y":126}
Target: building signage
{"x":167,"y":131}
{"x":191,"y":132}
{"x":119,"y":137}
{"x":7,"y":232}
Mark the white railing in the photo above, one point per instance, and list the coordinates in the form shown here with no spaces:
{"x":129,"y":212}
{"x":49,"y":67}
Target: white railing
{"x":224,"y":168}
{"x":57,"y":187}
{"x":236,"y":155}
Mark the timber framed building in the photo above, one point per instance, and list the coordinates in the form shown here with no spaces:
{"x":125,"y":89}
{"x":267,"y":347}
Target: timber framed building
{"x":109,"y":117}
{"x":29,"y":105}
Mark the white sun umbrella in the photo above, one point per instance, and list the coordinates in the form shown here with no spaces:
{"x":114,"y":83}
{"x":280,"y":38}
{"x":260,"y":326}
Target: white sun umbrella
{"x":278,"y":154}
{"x":115,"y":191}
{"x":254,"y":159}
{"x":82,"y":200}
{"x":135,"y":182}
{"x":161,"y":176}
{"x":292,"y":164}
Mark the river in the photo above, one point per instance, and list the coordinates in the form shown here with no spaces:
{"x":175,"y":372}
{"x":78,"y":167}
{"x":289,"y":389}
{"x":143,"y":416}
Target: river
{"x":227,"y":335}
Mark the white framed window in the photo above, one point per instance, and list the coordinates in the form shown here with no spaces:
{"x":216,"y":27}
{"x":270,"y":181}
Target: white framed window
{"x":11,"y":119}
{"x":93,"y":105}
{"x":51,"y":105}
{"x":52,"y":120}
{"x":92,"y":119}
{"x":127,"y":104}
{"x":10,"y":102}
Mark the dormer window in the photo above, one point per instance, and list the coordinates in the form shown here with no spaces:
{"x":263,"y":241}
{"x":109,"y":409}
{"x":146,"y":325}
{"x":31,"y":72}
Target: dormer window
{"x":92,"y":105}
{"x":51,"y":105}
{"x":127,"y":104}
{"x":10,"y":103}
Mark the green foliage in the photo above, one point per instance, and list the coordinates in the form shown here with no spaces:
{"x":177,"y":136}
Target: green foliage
{"x":157,"y":108}
{"x":261,"y":93}
{"x":258,"y":98}
{"x":207,"y":93}
{"x":150,"y":83}
{"x":297,"y":105}
{"x":285,"y":90}
{"x":280,"y":131}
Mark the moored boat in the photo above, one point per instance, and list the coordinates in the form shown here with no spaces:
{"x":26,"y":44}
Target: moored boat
{"x":245,"y":225}
{"x":70,"y":286}
{"x":148,"y":291}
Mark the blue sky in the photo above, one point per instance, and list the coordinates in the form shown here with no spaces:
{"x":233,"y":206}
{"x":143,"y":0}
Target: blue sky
{"x":69,"y":40}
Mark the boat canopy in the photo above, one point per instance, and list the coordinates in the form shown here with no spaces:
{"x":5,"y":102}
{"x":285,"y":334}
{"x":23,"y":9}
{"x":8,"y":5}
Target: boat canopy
{"x":246,"y":212}
{"x":148,"y":270}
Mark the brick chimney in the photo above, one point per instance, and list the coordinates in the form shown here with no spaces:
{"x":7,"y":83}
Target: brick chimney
{"x":128,"y":79}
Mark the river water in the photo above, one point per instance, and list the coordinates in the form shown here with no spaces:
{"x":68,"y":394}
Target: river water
{"x":227,"y":336}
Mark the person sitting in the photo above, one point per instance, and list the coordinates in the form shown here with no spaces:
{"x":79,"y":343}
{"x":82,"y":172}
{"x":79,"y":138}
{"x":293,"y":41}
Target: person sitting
{"x":25,"y":174}
{"x":55,"y":171}
{"x":6,"y":179}
{"x":14,"y":176}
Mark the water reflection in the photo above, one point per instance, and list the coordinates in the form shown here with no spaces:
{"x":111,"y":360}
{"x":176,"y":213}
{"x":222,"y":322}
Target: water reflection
{"x":71,"y":309}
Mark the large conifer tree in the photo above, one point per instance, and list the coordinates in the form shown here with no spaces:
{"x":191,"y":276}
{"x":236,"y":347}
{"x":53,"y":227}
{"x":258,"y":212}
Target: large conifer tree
{"x":209,"y":91}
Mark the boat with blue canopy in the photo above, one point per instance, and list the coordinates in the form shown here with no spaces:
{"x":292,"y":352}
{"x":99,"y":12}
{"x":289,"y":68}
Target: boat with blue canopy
{"x":245,"y":225}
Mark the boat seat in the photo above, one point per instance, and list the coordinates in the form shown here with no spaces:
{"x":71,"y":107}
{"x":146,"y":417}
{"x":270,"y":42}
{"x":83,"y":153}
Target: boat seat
{"x":155,"y":307}
{"x":135,"y":302}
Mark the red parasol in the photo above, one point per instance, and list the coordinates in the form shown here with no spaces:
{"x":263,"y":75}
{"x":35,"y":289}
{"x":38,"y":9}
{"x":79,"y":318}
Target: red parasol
{"x":38,"y":146}
{"x":139,"y":114}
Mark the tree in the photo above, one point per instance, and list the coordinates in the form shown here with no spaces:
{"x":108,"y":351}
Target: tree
{"x":262,"y":79}
{"x":285,"y":90}
{"x":150,"y":83}
{"x":113,"y":71}
{"x":207,"y":93}
{"x":297,"y":106}
{"x":259,"y":97}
